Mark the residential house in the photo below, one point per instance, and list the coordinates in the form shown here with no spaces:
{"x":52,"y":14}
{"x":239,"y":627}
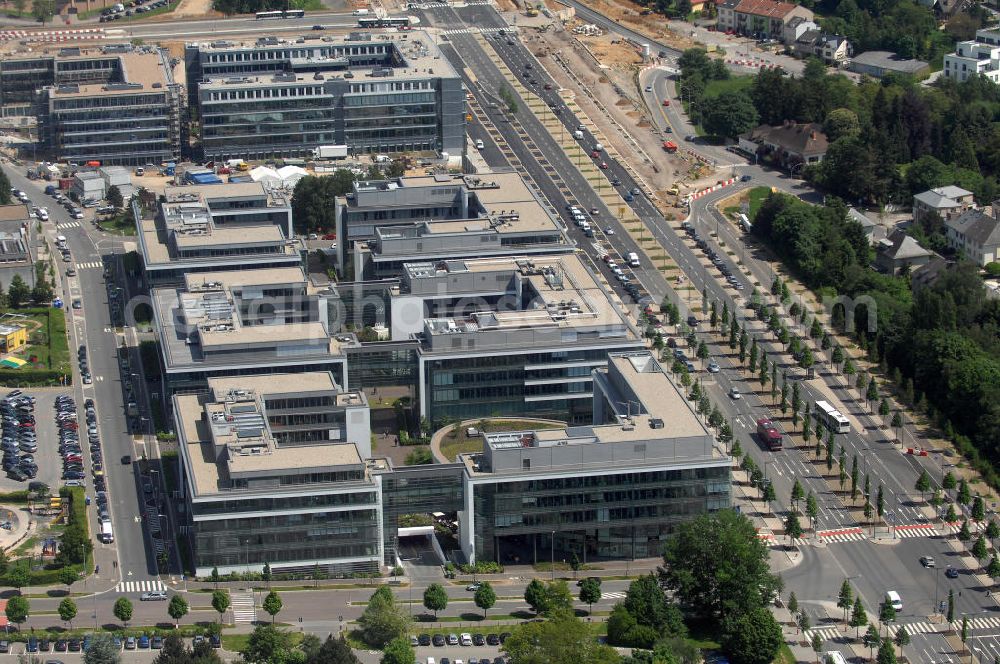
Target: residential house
{"x":873,"y":231}
{"x":831,"y":49}
{"x":760,"y":18}
{"x":796,"y":28}
{"x":976,"y":233}
{"x":789,"y":145}
{"x":900,"y":252}
{"x":879,"y":63}
{"x":972,"y":58}
{"x":945,"y":201}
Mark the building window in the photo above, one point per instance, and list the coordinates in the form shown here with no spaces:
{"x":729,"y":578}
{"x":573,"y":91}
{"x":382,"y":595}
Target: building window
{"x":526,"y":464}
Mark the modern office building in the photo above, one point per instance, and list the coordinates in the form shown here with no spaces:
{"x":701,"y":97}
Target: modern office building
{"x":384,"y":93}
{"x":494,"y":215}
{"x":114,"y":105}
{"x":509,"y":336}
{"x":383,"y":224}
{"x":245,"y":322}
{"x":612,"y":489}
{"x":275,"y":470}
{"x":211,"y":228}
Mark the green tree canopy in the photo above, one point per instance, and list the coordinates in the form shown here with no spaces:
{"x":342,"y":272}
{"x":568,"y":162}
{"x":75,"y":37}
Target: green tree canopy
{"x":563,"y":639}
{"x":383,"y":620}
{"x":718,"y":567}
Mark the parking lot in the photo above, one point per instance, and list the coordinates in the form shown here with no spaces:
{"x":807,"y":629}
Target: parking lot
{"x":47,"y":455}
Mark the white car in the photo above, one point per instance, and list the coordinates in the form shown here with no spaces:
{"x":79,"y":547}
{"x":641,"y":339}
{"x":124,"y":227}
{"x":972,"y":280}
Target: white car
{"x":77,"y":214}
{"x":713,"y":367}
{"x":734,"y":393}
{"x":465,"y":639}
{"x":153,"y":596}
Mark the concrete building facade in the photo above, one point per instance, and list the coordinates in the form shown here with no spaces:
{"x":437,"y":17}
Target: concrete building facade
{"x":373,"y":93}
{"x":114,"y":105}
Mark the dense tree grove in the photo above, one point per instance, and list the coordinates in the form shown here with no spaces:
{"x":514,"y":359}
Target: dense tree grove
{"x":941,"y":341}
{"x":892,"y":138}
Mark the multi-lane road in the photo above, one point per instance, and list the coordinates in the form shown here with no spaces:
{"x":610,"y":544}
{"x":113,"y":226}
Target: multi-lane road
{"x":526,"y":142}
{"x":873,"y":568}
{"x":129,"y":558}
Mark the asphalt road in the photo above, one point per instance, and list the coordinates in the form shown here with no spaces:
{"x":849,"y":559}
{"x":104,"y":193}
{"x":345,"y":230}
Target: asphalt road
{"x":874,"y":568}
{"x":92,"y":326}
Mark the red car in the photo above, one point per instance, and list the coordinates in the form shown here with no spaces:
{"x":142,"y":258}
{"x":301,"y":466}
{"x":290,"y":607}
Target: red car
{"x":595,"y":154}
{"x":330,"y":236}
{"x":604,"y":165}
{"x":666,"y":102}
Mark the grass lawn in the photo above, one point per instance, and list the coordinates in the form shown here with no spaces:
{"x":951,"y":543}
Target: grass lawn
{"x":238,"y":642}
{"x":757,"y":196}
{"x":47,"y":350}
{"x":122,"y":223}
{"x":451,"y":447}
{"x":732,"y":84}
{"x":785,"y":655}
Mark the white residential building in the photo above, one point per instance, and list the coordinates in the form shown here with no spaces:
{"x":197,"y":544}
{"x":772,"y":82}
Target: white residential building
{"x":971,"y":58}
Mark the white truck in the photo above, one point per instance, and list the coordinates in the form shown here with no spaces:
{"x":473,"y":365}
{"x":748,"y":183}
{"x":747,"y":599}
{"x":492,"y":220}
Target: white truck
{"x":361,"y":12}
{"x":331,"y":152}
{"x":633,"y":259}
{"x":106,"y":535}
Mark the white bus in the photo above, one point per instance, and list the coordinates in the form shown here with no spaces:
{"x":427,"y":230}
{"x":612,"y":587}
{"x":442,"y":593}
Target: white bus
{"x":832,"y":418}
{"x":271,"y":14}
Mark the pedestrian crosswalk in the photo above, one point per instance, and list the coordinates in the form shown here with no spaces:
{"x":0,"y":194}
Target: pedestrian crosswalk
{"x":244,"y":610}
{"x":834,"y":632}
{"x":991,"y":622}
{"x":89,"y":266}
{"x":841,"y":535}
{"x":618,"y":595}
{"x":916,"y":530}
{"x":471,"y":31}
{"x":68,"y":224}
{"x":148,"y":585}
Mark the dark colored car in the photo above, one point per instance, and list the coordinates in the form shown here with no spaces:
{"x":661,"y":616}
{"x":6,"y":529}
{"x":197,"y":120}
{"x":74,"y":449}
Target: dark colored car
{"x":143,"y":642}
{"x":493,"y":639}
{"x":75,"y":645}
{"x":438,"y":640}
{"x":951,"y":573}
{"x":60,"y":645}
{"x":478,"y":640}
{"x":424,"y":639}
{"x":215,"y":640}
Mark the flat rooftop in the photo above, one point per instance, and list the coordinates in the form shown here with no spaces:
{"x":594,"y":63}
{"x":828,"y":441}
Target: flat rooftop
{"x":225,"y":433}
{"x":417,"y":57}
{"x":185,"y":221}
{"x":143,"y":71}
{"x":566,"y":294}
{"x":652,"y":413}
{"x":200,"y":325}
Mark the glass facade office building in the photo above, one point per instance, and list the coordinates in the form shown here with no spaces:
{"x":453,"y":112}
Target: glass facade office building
{"x":275,"y":98}
{"x":604,"y":515}
{"x":250,"y":532}
{"x":552,"y":385}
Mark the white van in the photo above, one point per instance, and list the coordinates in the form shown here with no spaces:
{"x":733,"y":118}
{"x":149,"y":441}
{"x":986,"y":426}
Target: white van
{"x":479,"y":144}
{"x":633,"y":259}
{"x":598,"y":147}
{"x":578,"y":135}
{"x":893,"y":598}
{"x":430,"y":660}
{"x":107,"y":534}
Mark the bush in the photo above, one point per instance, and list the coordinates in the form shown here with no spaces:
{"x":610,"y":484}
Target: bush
{"x":993,"y":269}
{"x":482,"y":567}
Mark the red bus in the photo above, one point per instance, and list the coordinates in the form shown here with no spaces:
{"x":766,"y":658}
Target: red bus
{"x":769,"y":434}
